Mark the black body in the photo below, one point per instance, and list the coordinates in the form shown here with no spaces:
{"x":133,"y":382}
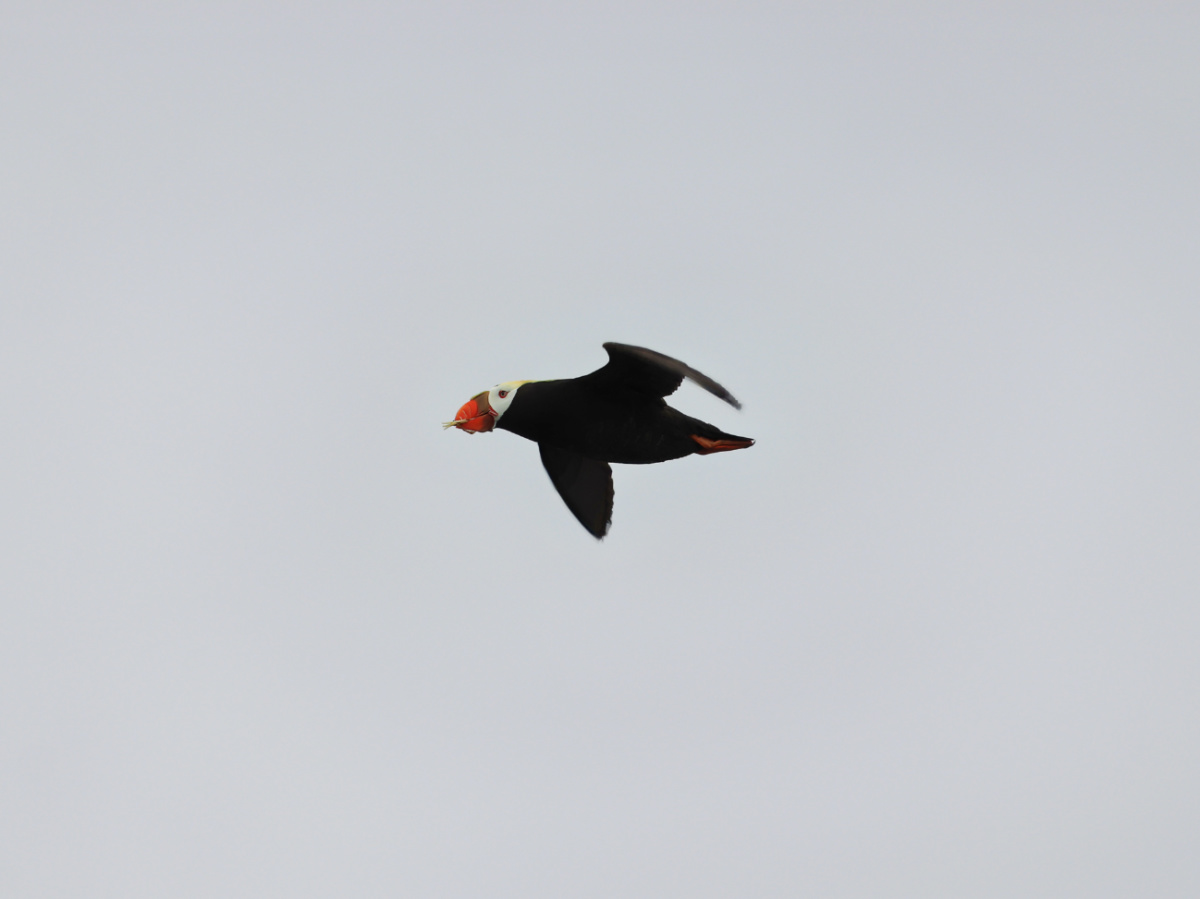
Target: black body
{"x":615,"y":414}
{"x":610,"y":426}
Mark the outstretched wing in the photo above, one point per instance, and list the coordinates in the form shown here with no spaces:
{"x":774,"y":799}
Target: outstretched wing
{"x":653,"y":374}
{"x":584,"y":484}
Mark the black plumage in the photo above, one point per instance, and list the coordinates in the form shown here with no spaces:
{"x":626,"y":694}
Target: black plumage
{"x":615,"y":414}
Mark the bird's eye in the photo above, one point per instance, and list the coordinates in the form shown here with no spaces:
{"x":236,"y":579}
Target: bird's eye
{"x":503,"y":394}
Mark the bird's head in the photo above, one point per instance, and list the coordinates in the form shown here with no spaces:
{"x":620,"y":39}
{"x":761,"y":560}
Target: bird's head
{"x":481,"y":412}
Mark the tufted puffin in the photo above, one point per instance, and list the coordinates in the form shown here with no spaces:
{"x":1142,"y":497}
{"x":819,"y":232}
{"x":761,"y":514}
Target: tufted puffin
{"x":615,"y":414}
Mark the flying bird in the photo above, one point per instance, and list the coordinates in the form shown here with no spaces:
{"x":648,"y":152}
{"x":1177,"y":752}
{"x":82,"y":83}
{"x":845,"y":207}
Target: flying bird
{"x":615,"y":414}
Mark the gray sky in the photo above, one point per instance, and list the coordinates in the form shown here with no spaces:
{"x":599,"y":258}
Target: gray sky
{"x":269,"y":631}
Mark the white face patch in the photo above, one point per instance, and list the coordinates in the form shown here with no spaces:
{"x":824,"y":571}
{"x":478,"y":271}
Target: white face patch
{"x":500,"y":396}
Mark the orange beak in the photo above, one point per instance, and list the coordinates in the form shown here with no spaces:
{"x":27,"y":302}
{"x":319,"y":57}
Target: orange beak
{"x":475,"y":417}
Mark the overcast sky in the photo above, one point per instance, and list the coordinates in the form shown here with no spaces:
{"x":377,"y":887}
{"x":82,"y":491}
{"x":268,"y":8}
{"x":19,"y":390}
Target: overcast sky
{"x":267,"y":630}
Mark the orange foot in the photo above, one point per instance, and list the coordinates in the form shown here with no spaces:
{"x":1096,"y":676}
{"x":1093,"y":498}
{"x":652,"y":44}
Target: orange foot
{"x":718,"y":446}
